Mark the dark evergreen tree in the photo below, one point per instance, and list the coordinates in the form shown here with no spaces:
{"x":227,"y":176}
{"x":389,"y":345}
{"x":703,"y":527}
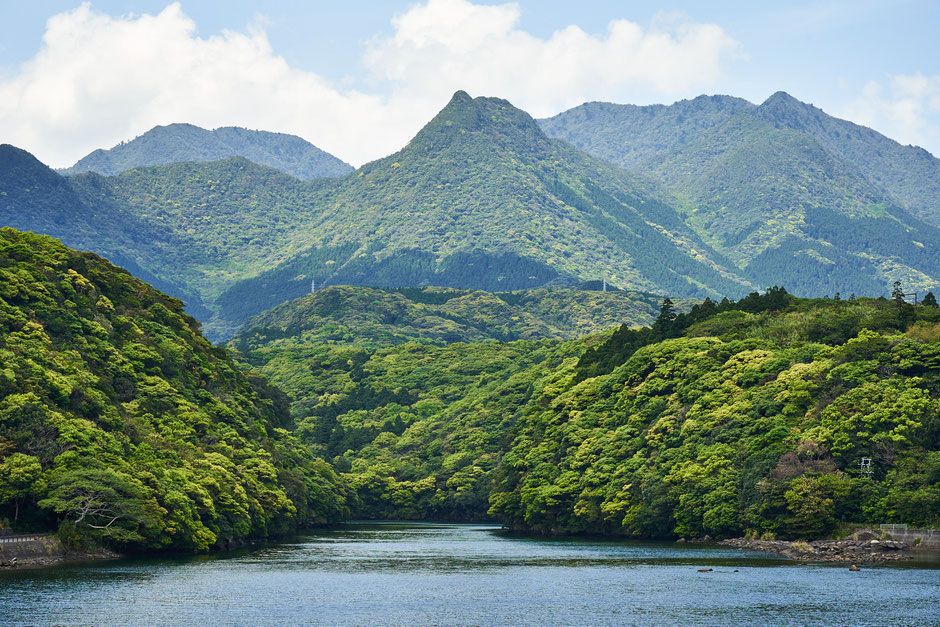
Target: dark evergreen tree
{"x":666,"y":320}
{"x":898,"y":294}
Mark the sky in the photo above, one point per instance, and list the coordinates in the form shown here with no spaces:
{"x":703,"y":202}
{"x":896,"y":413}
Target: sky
{"x":359,"y":78}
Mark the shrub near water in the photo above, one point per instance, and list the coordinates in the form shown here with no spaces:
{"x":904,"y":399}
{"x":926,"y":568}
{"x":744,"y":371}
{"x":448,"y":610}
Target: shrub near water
{"x":121,"y":422}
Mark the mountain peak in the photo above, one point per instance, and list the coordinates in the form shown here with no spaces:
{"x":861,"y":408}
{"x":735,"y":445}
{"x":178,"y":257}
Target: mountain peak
{"x":781,"y":102}
{"x":465,"y":117}
{"x":20,"y":166}
{"x":785,"y":111}
{"x":178,"y":142}
{"x":460,"y":97}
{"x":780,"y":97}
{"x":175,"y":126}
{"x":9,"y":152}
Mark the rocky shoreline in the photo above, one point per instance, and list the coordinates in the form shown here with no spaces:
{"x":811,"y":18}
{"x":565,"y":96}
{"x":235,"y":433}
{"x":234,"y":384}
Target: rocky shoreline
{"x":861,"y":548}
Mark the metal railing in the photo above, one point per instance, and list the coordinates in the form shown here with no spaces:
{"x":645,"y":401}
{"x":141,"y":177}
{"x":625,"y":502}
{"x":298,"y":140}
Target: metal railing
{"x":24,"y":538}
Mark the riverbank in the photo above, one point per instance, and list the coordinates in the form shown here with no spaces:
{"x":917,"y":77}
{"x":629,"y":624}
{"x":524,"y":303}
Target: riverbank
{"x":44,"y":550}
{"x":861,"y":548}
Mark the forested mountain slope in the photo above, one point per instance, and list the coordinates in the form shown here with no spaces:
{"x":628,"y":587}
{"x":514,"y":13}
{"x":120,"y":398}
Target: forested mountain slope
{"x":786,"y":210}
{"x":234,"y":217}
{"x":908,"y":176}
{"x":34,"y":198}
{"x":175,"y":143}
{"x":374,"y":318}
{"x":791,"y":194}
{"x":628,"y":134}
{"x":191,"y":229}
{"x":120,"y":423}
{"x":736,"y":416}
{"x":482,"y":199}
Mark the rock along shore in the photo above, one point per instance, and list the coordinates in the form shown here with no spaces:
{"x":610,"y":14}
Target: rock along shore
{"x":863,"y":547}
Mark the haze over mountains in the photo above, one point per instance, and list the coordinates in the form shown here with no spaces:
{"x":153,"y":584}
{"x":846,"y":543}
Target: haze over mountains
{"x":720,"y":197}
{"x":628,"y":134}
{"x":185,"y":142}
{"x":778,"y":186}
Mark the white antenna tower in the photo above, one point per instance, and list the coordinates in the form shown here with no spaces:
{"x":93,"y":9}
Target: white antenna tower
{"x":313,"y":286}
{"x":605,"y":284}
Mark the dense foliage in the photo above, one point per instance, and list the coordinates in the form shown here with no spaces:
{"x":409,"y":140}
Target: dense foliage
{"x":373,"y":318}
{"x":120,"y":423}
{"x":323,"y":350}
{"x":175,"y":143}
{"x":744,"y":422}
{"x":732,"y":417}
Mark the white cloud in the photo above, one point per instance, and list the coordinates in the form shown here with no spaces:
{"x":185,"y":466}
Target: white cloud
{"x":99,"y":79}
{"x":454,"y":44}
{"x":908,"y":110}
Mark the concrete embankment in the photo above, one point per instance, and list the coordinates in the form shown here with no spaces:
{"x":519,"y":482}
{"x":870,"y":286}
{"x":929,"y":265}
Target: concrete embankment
{"x":917,"y":538}
{"x":41,"y":550}
{"x":30,"y":550}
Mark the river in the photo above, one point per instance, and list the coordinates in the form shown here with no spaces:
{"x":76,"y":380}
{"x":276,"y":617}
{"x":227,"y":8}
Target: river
{"x":430,"y":574}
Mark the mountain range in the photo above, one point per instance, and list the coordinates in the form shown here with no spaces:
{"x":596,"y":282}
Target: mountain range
{"x":781,"y":184}
{"x":628,"y":134}
{"x":709,"y":197}
{"x":185,"y":142}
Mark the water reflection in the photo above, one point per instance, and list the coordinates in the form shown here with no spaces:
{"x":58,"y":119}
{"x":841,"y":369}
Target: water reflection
{"x":466,"y":575}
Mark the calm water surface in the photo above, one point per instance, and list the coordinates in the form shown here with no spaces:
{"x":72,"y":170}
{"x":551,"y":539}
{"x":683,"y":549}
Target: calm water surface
{"x":424,"y":574}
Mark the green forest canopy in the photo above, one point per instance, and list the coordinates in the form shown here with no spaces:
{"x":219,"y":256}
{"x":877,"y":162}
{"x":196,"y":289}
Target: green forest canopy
{"x":120,"y":423}
{"x":737,"y":416}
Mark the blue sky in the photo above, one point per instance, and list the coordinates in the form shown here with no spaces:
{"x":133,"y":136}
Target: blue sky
{"x":360,"y":78}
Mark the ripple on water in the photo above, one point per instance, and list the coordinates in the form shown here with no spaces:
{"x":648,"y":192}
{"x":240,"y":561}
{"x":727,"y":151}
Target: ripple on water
{"x":412,"y":574}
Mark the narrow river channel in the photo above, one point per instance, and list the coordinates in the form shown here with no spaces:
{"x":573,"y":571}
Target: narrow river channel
{"x":430,"y":574}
